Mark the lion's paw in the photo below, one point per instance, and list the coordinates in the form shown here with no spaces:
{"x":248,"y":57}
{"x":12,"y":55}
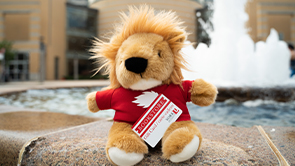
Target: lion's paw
{"x":120,"y":157}
{"x":203,"y":93}
{"x":188,"y":151}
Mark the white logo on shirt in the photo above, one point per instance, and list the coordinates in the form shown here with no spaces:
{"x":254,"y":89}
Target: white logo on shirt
{"x":146,"y":99}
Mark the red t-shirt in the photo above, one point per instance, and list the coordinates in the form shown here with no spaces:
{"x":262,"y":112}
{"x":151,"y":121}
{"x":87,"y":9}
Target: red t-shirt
{"x":120,"y":100}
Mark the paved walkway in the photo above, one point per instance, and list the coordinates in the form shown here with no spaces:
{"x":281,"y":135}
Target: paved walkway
{"x":13,"y":87}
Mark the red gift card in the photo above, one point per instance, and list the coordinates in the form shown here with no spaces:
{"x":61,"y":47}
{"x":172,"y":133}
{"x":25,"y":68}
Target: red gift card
{"x":156,"y":119}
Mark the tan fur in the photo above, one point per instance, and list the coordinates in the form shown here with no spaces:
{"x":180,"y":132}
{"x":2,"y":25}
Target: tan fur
{"x":91,"y":102}
{"x":123,"y":137}
{"x":145,"y":45}
{"x":142,"y":20}
{"x":177,"y":136}
{"x":203,"y":93}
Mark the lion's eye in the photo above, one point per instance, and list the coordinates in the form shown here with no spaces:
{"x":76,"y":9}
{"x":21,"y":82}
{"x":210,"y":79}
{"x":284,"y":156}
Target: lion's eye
{"x":159,"y":53}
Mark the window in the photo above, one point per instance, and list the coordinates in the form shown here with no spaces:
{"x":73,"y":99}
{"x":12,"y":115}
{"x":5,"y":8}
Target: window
{"x":56,"y":71}
{"x":16,"y":26}
{"x":81,"y":18}
{"x":18,"y":69}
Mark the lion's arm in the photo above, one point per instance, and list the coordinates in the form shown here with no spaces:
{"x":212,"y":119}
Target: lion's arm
{"x":100,"y":100}
{"x":203,"y":93}
{"x":91,"y":102}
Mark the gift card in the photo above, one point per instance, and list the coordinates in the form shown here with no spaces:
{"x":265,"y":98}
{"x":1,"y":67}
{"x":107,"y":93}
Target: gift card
{"x":156,"y":119}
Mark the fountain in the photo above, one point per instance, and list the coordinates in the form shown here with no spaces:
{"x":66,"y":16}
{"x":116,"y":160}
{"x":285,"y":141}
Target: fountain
{"x":233,"y":60}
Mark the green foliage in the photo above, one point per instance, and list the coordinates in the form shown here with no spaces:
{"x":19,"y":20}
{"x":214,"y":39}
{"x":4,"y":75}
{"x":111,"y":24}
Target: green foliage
{"x":9,"y":52}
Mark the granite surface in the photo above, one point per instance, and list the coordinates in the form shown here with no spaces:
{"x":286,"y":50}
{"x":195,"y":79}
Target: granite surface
{"x":284,"y":140}
{"x":248,"y":139}
{"x":61,"y":139}
{"x":85,"y":145}
{"x":18,"y":127}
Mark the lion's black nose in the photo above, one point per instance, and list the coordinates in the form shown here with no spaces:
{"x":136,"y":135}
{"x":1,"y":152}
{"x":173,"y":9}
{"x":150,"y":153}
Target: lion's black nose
{"x":136,"y":65}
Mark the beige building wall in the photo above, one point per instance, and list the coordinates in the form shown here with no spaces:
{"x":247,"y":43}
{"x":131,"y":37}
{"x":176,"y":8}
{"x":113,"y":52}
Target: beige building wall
{"x":54,"y":30}
{"x":267,"y":14}
{"x":109,"y":13}
{"x":24,"y":22}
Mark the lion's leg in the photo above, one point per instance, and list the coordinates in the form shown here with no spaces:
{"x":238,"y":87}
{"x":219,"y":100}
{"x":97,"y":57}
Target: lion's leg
{"x":124,"y":147}
{"x":181,"y":141}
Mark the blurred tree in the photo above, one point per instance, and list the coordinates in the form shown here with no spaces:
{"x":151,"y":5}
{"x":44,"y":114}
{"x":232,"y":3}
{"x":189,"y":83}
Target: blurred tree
{"x":9,"y":52}
{"x":204,"y":21}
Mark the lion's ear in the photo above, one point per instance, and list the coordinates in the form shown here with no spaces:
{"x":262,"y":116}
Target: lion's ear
{"x":177,"y":36}
{"x":181,"y":39}
{"x":176,"y":40}
{"x":181,"y":36}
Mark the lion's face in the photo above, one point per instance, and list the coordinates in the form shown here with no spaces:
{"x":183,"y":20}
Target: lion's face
{"x":144,"y":61}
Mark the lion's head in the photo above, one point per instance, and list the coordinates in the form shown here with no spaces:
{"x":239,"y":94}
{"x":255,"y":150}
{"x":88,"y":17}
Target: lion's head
{"x":144,"y":50}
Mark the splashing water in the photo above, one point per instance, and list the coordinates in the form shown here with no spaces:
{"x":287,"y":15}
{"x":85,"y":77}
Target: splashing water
{"x":233,"y":59}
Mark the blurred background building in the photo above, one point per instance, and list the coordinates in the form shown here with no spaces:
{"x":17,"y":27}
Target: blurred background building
{"x":108,"y":12}
{"x":267,"y":14}
{"x":51,"y":37}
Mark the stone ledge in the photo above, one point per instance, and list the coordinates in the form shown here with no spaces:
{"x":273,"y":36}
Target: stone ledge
{"x":81,"y":141}
{"x":18,"y":127}
{"x":284,"y":140}
{"x":16,"y":87}
{"x":85,"y":145}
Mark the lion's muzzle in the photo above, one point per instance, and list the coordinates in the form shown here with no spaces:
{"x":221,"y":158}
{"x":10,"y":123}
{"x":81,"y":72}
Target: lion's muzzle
{"x":136,"y":64}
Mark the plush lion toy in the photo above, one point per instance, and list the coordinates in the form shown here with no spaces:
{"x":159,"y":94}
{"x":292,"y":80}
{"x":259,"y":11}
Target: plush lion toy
{"x":143,"y":55}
